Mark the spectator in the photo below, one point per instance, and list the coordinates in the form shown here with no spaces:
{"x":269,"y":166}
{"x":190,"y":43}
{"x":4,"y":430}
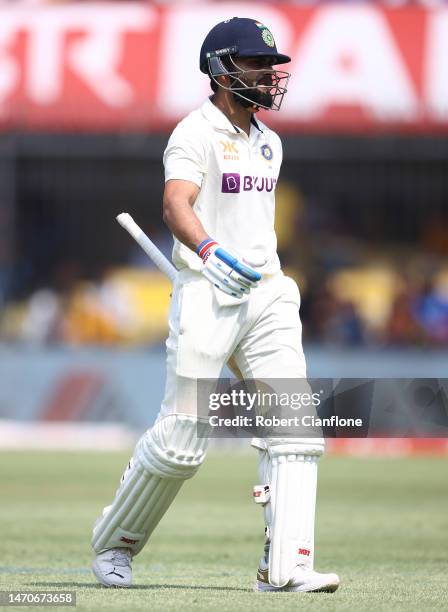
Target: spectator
{"x":431,"y":312}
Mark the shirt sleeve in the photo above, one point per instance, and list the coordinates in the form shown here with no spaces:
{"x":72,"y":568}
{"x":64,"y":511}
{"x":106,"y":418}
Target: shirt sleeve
{"x":184,"y":157}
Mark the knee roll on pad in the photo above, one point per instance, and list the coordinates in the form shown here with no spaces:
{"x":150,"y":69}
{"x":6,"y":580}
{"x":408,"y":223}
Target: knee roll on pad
{"x":287,"y":446}
{"x":164,"y":458}
{"x":173,"y":448}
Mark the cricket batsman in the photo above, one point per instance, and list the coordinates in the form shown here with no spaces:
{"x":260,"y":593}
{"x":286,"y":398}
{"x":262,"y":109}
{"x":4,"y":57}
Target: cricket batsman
{"x":231,"y":304}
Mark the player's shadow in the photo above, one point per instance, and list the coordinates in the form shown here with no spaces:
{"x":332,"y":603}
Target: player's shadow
{"x":139,"y":587}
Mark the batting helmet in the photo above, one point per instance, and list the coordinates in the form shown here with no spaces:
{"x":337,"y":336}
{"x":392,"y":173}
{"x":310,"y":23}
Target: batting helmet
{"x":241,"y":37}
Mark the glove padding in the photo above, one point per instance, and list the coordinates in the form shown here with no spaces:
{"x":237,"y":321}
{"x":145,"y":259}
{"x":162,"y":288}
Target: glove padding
{"x":226,"y":272}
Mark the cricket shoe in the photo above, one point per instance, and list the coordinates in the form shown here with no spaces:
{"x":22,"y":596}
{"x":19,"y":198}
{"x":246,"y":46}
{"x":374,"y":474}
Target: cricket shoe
{"x":303,"y":580}
{"x":113,"y":567}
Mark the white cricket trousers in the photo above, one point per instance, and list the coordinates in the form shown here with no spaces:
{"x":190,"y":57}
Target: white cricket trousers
{"x":261,"y":335}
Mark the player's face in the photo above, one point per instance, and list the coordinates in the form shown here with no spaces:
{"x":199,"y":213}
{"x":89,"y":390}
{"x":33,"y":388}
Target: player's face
{"x":258,"y":74}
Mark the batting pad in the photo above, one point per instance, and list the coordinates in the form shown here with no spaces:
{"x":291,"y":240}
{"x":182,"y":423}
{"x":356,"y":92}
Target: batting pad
{"x":165,"y":456}
{"x":293,"y":504}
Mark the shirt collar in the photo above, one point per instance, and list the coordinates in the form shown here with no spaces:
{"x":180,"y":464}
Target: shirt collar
{"x":256,"y":124}
{"x":217,"y":117}
{"x":220,"y":121}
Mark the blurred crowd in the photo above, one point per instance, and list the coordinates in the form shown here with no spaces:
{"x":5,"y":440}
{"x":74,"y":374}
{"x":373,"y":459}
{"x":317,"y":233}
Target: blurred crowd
{"x":122,"y":306}
{"x":379,"y":307}
{"x":367,"y":305}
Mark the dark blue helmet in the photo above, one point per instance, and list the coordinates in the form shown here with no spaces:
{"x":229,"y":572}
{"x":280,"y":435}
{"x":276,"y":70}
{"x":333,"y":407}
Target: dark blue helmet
{"x":241,"y":37}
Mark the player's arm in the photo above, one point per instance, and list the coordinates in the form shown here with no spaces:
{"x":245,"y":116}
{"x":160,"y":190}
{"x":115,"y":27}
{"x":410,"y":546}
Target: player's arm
{"x":219,"y":267}
{"x":178,"y":213}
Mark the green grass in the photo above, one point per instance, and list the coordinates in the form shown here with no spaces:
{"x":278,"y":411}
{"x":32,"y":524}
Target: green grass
{"x":382,"y":524}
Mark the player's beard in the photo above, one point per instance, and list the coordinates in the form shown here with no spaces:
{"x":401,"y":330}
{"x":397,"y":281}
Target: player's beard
{"x":254,"y":95}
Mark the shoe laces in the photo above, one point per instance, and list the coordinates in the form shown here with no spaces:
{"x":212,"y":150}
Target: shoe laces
{"x":121,"y":557}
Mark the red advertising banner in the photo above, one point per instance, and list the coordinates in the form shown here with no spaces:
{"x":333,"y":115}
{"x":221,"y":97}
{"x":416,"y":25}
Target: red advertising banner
{"x":133,"y":66}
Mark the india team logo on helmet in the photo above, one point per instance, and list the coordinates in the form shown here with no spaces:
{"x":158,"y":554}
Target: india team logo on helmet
{"x":267,"y":37}
{"x":266,"y":34}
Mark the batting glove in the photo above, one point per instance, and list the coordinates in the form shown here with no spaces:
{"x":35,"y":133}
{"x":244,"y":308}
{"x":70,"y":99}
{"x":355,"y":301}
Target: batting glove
{"x":225,"y":271}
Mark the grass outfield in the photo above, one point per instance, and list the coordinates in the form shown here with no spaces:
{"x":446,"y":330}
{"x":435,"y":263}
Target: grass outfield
{"x":382,"y":524}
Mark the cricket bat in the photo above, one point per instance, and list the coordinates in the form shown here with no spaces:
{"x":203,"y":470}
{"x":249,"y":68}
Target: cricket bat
{"x":165,"y":266}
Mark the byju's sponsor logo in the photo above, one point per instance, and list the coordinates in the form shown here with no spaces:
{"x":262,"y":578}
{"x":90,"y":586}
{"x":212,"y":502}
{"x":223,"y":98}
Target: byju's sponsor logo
{"x":260,"y":183}
{"x":231,"y":183}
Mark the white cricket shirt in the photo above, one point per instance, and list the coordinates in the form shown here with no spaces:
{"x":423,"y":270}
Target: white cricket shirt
{"x":237,"y":176}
